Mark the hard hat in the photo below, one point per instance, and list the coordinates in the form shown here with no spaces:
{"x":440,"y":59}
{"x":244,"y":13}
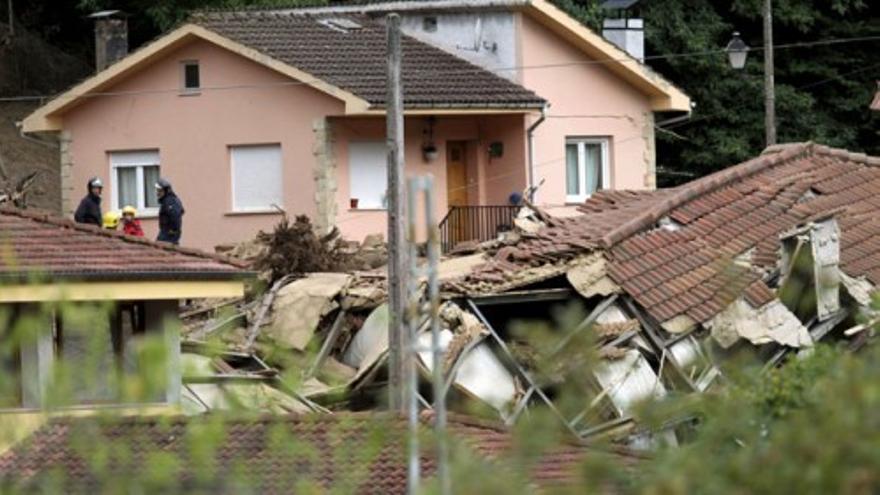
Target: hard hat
{"x":96,"y":182}
{"x":163,"y":184}
{"x":111,"y":219}
{"x":130,"y":210}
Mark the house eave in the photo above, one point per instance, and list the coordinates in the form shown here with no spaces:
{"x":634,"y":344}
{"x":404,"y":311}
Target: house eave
{"x":49,"y":116}
{"x":120,"y":290}
{"x":453,"y":109}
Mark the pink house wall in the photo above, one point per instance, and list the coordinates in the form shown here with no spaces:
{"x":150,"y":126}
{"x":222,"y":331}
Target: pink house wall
{"x":586,"y":101}
{"x":193,"y":133}
{"x":490,"y":181}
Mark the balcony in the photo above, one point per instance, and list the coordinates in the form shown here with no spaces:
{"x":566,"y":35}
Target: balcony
{"x":475,"y":224}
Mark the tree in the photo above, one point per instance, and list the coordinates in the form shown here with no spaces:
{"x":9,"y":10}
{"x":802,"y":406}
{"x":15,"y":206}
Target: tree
{"x":160,"y":15}
{"x":822,"y":91}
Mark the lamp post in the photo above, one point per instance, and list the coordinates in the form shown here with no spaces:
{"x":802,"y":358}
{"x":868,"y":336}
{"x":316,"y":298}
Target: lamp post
{"x":737,"y":51}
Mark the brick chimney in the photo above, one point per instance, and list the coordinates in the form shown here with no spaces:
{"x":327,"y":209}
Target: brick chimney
{"x":111,"y":37}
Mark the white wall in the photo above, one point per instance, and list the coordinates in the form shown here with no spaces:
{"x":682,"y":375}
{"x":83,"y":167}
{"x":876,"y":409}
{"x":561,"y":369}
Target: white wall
{"x":487,"y":39}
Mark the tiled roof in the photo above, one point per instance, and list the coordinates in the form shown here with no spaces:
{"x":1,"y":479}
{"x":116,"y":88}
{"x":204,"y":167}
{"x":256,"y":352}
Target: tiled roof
{"x":723,"y":230}
{"x":35,"y":242}
{"x":266,"y":454}
{"x":354,"y":59}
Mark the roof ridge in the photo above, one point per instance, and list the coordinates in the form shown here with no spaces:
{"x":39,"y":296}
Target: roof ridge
{"x":45,"y":217}
{"x":853,"y":156}
{"x":268,"y":11}
{"x":777,"y":155}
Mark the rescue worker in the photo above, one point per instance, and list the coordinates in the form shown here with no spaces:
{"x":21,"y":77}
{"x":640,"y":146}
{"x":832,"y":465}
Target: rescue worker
{"x":130,"y":224}
{"x":111,"y":220}
{"x":170,"y":213}
{"x":89,"y":209}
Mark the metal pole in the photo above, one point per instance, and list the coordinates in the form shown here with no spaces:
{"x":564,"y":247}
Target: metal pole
{"x":413,"y":300}
{"x":398,"y":341}
{"x":769,"y":84}
{"x":437,"y":356}
{"x":423,"y":186}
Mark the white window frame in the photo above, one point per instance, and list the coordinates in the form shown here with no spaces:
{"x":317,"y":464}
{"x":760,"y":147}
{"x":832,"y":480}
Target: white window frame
{"x":256,"y":209}
{"x":376,"y":183}
{"x":582,"y":166}
{"x":184,"y":90}
{"x":143,"y":211}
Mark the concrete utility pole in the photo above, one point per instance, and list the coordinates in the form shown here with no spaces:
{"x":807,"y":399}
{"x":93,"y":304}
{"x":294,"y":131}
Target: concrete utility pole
{"x":11,"y":22}
{"x":769,"y":89}
{"x":399,"y":344}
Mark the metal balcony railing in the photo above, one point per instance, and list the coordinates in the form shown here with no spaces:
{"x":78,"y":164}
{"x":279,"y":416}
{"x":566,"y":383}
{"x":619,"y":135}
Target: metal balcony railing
{"x":475,"y":223}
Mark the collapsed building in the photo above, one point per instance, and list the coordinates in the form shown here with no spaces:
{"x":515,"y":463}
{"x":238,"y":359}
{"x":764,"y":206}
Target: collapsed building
{"x":763,"y":259}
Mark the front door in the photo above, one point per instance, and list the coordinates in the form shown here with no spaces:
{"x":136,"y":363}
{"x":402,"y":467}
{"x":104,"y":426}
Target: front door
{"x":456,"y":174}
{"x":457,"y":191}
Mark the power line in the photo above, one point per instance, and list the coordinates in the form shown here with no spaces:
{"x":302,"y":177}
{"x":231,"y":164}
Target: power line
{"x":445,"y":73}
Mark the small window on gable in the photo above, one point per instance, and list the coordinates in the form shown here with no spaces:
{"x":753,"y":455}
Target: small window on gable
{"x":429,"y":24}
{"x":191,"y":76}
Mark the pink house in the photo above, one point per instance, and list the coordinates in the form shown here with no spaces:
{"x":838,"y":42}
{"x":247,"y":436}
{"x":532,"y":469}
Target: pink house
{"x":249,"y":112}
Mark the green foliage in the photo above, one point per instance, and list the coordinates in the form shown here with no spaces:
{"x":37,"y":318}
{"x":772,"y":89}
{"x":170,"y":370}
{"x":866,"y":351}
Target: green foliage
{"x":809,"y":427}
{"x":586,"y":11}
{"x":822,"y":92}
{"x":164,"y":14}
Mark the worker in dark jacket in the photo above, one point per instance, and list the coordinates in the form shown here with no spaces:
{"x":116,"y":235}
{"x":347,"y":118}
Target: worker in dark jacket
{"x":89,"y":209}
{"x":170,"y":213}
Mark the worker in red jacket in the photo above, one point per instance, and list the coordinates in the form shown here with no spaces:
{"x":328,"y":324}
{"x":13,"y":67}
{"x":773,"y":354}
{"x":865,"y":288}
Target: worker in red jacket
{"x":130,"y":224}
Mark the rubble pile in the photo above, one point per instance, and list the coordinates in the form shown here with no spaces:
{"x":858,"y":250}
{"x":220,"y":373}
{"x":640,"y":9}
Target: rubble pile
{"x":765,"y":258}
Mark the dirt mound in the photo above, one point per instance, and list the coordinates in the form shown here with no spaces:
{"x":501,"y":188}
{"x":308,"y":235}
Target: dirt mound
{"x":22,"y":156}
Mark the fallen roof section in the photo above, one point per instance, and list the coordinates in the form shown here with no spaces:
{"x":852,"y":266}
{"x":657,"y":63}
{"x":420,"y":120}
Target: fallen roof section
{"x":693,"y":250}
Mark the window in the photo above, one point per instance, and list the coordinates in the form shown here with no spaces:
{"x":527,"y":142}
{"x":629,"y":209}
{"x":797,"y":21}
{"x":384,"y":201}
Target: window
{"x":191,"y":77}
{"x":429,"y":24}
{"x":367,"y":162}
{"x":133,"y":176}
{"x":256,"y":177}
{"x":586,"y":167}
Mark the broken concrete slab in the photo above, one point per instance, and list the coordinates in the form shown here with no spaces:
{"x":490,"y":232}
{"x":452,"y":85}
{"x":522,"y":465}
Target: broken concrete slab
{"x":458,"y":266}
{"x":679,"y":324}
{"x":225,"y":396}
{"x":590,"y":278}
{"x":300,"y":305}
{"x":858,"y":288}
{"x":772,"y":322}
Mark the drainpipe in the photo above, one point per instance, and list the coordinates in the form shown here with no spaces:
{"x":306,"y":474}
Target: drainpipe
{"x":529,"y":138}
{"x":22,"y":135}
{"x":674,"y":120}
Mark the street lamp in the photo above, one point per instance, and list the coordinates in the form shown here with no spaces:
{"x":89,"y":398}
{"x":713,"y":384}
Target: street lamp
{"x":737,"y":50}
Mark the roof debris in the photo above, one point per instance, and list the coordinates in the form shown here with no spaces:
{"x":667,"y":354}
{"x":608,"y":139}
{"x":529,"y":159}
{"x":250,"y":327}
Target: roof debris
{"x":752,"y":257}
